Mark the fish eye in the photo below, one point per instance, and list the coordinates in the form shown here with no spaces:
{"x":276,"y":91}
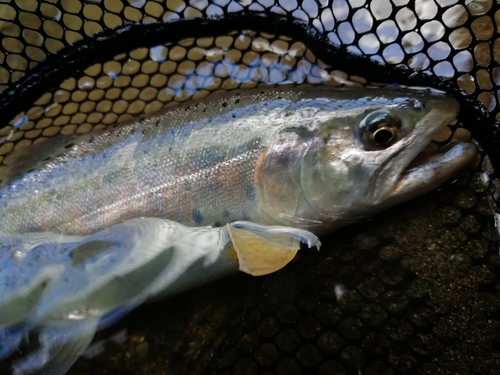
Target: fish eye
{"x":383,"y":135}
{"x":379,"y":129}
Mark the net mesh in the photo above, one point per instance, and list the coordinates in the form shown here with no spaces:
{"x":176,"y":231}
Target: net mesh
{"x":444,"y":39}
{"x":73,"y":66}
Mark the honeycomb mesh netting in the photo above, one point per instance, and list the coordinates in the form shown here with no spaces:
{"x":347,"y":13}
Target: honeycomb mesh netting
{"x":420,"y":289}
{"x":446,"y":39}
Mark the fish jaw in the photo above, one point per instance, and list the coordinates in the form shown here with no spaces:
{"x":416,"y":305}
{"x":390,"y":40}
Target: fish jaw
{"x":407,"y":173}
{"x":438,"y":168}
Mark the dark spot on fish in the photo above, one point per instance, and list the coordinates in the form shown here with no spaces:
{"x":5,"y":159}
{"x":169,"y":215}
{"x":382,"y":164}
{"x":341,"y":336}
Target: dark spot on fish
{"x":143,"y":120}
{"x":301,"y":131}
{"x":249,"y":192}
{"x":132,"y":131}
{"x":157,"y":123}
{"x":91,"y":140}
{"x":237,"y":101}
{"x":225,"y":213}
{"x":87,"y":250}
{"x":204,"y":110}
{"x":111,"y":178}
{"x":217,"y":224}
{"x":209,"y":120}
{"x":47,"y":158}
{"x":143,"y":131}
{"x":233,"y":115}
{"x":69,"y":145}
{"x":224,"y":104}
{"x":262,"y":92}
{"x":197,"y":216}
{"x":245,"y":216}
{"x":280,"y":97}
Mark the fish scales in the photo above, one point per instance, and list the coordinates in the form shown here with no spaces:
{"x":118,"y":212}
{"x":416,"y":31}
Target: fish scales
{"x":479,"y":347}
{"x":165,"y":202}
{"x":194,"y":164}
{"x":129,"y":172}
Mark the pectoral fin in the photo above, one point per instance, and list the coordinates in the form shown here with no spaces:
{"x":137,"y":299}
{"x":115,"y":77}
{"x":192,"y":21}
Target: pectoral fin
{"x":262,"y":250}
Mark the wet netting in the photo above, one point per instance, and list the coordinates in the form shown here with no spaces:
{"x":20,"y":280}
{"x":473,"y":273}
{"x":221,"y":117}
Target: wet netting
{"x":420,"y":284}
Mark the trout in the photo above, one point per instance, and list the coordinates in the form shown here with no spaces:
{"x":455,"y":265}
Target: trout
{"x":93,"y":225}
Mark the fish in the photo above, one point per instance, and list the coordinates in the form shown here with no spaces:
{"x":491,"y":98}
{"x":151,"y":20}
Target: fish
{"x":91,"y":226}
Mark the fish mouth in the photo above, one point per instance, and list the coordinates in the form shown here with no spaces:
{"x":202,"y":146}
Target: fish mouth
{"x":416,"y":168}
{"x":422,"y":168}
{"x":429,"y":169}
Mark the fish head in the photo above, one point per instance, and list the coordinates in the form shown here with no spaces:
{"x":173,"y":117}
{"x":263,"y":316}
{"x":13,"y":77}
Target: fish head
{"x":373,"y":156}
{"x":370,"y":154}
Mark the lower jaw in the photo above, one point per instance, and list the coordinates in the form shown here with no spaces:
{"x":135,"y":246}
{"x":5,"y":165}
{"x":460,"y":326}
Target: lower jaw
{"x":429,"y":170}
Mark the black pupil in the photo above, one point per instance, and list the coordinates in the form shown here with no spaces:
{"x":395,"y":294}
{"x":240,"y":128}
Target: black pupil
{"x":382,"y":136}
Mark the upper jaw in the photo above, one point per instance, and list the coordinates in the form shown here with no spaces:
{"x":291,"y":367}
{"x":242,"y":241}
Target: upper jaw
{"x":421,"y":172}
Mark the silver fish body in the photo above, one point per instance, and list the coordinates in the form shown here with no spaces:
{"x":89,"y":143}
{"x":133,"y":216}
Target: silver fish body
{"x":97,"y":224}
{"x":295,"y":157}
